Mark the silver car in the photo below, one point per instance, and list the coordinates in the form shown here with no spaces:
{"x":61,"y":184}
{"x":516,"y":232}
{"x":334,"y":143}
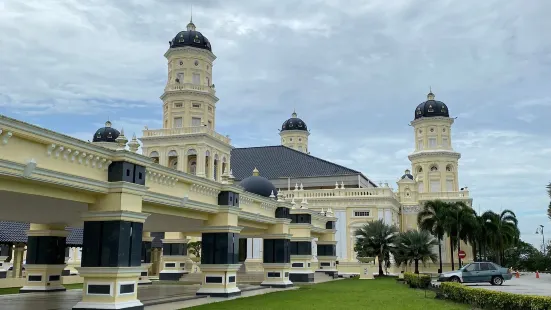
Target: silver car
{"x":476,"y":273}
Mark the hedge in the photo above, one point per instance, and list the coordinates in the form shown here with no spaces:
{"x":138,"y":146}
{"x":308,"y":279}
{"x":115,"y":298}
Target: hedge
{"x":417,"y":280}
{"x":487,"y":299}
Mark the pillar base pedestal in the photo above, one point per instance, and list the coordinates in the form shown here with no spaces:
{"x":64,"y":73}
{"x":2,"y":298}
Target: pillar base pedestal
{"x":219,"y":280}
{"x":277,"y":275}
{"x":110,"y":288}
{"x":301,"y":269}
{"x":121,"y":305}
{"x":43,"y":278}
{"x":144,"y":276}
{"x":366,"y":272}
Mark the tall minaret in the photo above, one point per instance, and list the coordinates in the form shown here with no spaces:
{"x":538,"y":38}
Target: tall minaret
{"x":434,"y":162}
{"x":188,"y":141}
{"x":189,"y":98}
{"x":294,"y":134}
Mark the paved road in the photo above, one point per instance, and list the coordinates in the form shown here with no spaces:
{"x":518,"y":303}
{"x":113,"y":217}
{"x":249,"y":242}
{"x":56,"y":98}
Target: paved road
{"x":527,"y":284}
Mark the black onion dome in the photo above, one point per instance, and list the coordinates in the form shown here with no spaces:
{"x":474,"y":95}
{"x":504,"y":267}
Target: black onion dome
{"x":407,"y":175}
{"x":294,"y":123}
{"x":106,"y":134}
{"x":190,"y":37}
{"x":431,"y":108}
{"x":258,"y":185}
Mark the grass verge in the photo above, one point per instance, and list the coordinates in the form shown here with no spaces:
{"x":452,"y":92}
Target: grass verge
{"x":382,"y":293}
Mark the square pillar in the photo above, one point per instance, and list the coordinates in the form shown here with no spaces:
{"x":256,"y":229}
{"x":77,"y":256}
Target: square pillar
{"x":301,"y":260}
{"x":201,"y":163}
{"x":175,"y":257}
{"x":277,"y":261}
{"x":220,"y":261}
{"x":220,"y":249}
{"x":327,"y":257}
{"x":111,"y":260}
{"x":18,"y":254}
{"x":146,"y":259}
{"x":45,"y":258}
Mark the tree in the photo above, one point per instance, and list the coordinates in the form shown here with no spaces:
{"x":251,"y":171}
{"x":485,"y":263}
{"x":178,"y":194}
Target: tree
{"x":375,"y":239}
{"x":462,"y":219}
{"x":414,"y":246}
{"x":433,"y":218}
{"x":195,"y":248}
{"x":502,"y":230}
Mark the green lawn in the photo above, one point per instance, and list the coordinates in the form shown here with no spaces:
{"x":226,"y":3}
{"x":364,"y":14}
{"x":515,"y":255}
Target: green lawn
{"x":344,"y":294}
{"x":15,"y":290}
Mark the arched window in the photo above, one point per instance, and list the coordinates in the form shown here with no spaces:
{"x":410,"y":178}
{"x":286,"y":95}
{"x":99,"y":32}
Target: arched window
{"x":449,"y":168}
{"x":154,"y":154}
{"x":172,"y":153}
{"x":433,"y":168}
{"x":419,"y":169}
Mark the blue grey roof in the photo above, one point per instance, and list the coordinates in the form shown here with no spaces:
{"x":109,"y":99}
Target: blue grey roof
{"x":16,"y":232}
{"x":276,"y":162}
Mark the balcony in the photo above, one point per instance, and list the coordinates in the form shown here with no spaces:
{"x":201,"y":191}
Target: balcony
{"x":197,"y":130}
{"x":340,"y":193}
{"x":190,"y":86}
{"x":464,"y":194}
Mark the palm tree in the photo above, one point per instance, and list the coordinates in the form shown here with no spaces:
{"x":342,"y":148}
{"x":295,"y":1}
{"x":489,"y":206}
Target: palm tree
{"x":375,"y":239}
{"x":462,"y":219}
{"x":503,"y":231}
{"x":414,"y":246}
{"x":433,"y":219}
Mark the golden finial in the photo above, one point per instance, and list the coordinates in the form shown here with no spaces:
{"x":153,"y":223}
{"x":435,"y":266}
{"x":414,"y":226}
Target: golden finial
{"x":256,"y":172}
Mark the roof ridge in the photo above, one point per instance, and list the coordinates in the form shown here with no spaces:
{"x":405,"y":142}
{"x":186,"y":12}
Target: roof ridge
{"x":321,"y":159}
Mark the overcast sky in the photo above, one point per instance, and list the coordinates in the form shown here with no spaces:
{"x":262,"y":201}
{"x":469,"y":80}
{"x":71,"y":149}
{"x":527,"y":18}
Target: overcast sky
{"x":354,"y":73}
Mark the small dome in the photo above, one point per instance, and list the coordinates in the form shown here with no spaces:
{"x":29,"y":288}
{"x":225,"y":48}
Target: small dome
{"x":258,"y":185}
{"x":407,"y":175}
{"x":431,"y":108}
{"x":106,"y":134}
{"x":294,"y":123}
{"x":190,"y":37}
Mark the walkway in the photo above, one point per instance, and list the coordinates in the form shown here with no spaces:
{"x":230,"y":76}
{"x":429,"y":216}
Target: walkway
{"x":149,"y":295}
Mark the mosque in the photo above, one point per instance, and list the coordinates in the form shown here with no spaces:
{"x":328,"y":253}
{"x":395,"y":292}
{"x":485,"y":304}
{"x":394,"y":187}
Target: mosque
{"x":187,"y":184}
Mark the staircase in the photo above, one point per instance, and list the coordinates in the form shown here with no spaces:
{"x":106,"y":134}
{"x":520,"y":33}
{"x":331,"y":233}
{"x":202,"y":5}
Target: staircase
{"x":192,"y":278}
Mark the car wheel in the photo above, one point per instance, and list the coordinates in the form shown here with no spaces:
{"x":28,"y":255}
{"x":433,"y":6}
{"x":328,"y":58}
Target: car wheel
{"x":455,"y":280}
{"x":497,"y":281}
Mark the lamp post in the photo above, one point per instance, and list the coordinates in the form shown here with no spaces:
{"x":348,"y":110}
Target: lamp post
{"x":539,"y":230}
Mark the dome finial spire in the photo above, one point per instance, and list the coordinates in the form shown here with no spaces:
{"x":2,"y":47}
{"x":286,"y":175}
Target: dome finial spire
{"x":430,"y":95}
{"x":294,"y":113}
{"x":256,"y":172}
{"x":191,"y":25}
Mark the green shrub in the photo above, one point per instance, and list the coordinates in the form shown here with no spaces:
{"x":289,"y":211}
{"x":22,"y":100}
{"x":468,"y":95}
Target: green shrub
{"x":486,"y":299}
{"x":417,"y":280}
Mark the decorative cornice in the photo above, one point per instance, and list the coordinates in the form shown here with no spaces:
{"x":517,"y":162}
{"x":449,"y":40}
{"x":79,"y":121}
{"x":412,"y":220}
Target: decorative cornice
{"x":78,"y":157}
{"x":161,"y":178}
{"x":204,"y":190}
{"x":190,"y":50}
{"x":214,"y":229}
{"x":68,"y":180}
{"x":435,"y":153}
{"x":448,"y":120}
{"x":122,"y":215}
{"x":5,"y":136}
{"x":256,"y":217}
{"x":178,"y":202}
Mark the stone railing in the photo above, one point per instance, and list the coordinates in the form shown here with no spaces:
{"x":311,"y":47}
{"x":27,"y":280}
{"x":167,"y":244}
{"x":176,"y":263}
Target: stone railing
{"x":340,"y":193}
{"x":185,"y":131}
{"x":190,"y":86}
{"x":444,"y":195}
